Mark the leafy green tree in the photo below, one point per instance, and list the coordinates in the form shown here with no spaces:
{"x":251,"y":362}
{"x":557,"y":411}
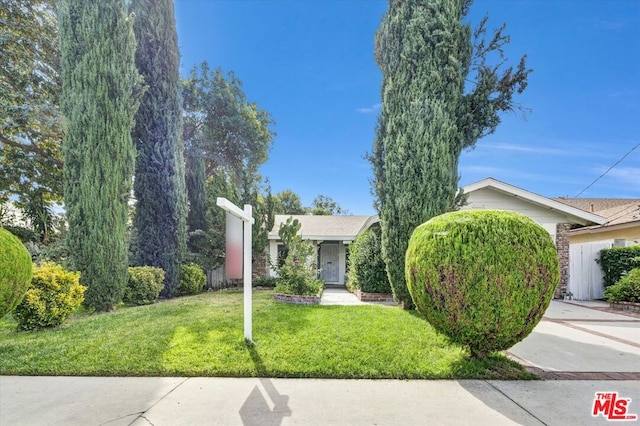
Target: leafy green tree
{"x":288,"y":202}
{"x":222,"y":125}
{"x":159,"y":186}
{"x":101,"y":89}
{"x":324,"y":205}
{"x":440,"y":93}
{"x":31,"y":127}
{"x":226,"y":139}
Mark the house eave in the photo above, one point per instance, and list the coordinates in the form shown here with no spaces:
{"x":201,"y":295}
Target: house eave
{"x":583,"y":217}
{"x":604,"y":228}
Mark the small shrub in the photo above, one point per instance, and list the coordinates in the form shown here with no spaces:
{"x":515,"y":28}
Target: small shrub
{"x":54,"y":294}
{"x":627,"y":289}
{"x":192,"y":279}
{"x":617,"y":261}
{"x":367,"y":270}
{"x":298,"y":273}
{"x":265,"y":282}
{"x":144,"y":285}
{"x":483,"y":278}
{"x":15,"y":271}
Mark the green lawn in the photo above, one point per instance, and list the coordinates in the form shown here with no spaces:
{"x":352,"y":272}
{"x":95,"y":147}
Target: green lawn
{"x":203,"y":336}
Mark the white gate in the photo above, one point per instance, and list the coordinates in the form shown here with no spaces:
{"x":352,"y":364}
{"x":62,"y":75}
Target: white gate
{"x":585,"y":275}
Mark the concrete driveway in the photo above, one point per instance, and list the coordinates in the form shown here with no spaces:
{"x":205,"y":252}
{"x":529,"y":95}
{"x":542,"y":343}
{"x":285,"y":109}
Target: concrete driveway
{"x":580,"y":339}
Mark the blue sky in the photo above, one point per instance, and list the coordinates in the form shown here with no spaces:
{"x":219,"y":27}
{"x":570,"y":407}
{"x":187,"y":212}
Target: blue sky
{"x":310,"y":64}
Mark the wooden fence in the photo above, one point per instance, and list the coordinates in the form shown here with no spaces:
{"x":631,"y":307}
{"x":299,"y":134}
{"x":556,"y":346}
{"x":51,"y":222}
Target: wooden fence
{"x":585,"y":274}
{"x":216,"y":280}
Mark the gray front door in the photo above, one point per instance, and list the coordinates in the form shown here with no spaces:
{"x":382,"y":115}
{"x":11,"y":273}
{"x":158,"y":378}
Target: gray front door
{"x":330,"y":271}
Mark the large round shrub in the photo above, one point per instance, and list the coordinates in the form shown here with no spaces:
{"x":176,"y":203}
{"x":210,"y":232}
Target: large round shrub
{"x":15,"y":271}
{"x":483,"y":278}
{"x":367,"y":271}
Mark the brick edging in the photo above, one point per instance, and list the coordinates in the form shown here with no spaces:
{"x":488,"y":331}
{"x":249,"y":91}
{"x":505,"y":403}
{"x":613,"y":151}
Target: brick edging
{"x":298,"y":299}
{"x":625,"y":306}
{"x":373,"y":297}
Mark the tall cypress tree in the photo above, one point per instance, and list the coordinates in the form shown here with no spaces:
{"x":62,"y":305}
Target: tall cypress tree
{"x":427,"y":57}
{"x":100,"y":92}
{"x":159,"y":185}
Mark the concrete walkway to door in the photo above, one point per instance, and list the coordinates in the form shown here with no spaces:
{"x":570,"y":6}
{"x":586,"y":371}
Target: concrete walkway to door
{"x":339,"y":296}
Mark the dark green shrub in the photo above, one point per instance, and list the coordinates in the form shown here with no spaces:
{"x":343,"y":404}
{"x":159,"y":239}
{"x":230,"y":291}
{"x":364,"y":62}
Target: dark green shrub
{"x":15,"y":271}
{"x":192,"y":279}
{"x":52,"y":297}
{"x":367,"y":270}
{"x":265,"y":282}
{"x":24,"y":234}
{"x":627,"y":289}
{"x":617,"y":261}
{"x":484,"y":278}
{"x":144,"y":285}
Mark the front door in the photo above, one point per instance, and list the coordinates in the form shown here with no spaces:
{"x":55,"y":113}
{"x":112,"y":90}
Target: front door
{"x":329,"y":270}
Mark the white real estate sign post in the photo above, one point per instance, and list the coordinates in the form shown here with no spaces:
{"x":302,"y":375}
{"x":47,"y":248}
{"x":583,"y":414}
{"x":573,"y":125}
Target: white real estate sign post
{"x":246,"y":216}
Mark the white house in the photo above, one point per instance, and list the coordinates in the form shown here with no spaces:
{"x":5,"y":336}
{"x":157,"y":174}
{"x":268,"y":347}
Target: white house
{"x":568,"y":221}
{"x":330,"y":236}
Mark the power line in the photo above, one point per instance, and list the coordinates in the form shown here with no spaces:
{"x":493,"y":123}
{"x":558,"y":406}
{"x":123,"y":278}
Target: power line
{"x":608,"y":170}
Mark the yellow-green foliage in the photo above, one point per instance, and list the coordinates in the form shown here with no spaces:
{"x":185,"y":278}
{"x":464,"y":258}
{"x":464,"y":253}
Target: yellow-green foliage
{"x":54,"y":294}
{"x":483,"y":278}
{"x":144,"y":285}
{"x":192,"y":279}
{"x":15,"y":271}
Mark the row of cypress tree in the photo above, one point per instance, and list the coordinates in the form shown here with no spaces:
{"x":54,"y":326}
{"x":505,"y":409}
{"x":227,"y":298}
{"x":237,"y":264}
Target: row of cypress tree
{"x":120,"y":99}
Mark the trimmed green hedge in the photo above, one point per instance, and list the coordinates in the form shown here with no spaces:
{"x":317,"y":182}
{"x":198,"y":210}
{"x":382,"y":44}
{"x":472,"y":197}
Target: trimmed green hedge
{"x":617,"y":261}
{"x":15,"y":271}
{"x":484,"y":278}
{"x":367,"y":270}
{"x":143,"y":285}
{"x":625,"y":290}
{"x":192,"y":279}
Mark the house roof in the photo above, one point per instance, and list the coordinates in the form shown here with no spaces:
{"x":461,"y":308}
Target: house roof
{"x":316,"y":227}
{"x":597,"y":205}
{"x":620,"y":217}
{"x":534,"y":198}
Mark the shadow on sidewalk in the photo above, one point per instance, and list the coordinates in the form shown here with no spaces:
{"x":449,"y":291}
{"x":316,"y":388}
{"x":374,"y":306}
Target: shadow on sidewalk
{"x":256,"y":410}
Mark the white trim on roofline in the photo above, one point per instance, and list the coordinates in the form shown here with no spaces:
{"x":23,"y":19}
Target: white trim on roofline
{"x":533,"y":198}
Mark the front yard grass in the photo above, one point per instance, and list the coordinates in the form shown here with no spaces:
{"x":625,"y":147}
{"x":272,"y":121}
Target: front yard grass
{"x":203,"y":336}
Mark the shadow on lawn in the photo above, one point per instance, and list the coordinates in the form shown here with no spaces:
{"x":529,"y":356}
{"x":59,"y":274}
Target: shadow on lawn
{"x":256,"y":410}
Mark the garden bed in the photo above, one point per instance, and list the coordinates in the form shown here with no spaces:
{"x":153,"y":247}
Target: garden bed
{"x":625,"y":306}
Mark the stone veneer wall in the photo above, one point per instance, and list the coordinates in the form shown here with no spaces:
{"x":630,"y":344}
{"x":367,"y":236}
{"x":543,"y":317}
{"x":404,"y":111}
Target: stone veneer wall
{"x":562,"y":244}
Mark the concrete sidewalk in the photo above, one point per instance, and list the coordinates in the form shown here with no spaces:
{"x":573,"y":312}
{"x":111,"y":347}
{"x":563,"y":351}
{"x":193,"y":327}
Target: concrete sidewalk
{"x":263,"y":402}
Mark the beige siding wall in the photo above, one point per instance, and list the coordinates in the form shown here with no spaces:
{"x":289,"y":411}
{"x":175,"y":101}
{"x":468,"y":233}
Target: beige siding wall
{"x":490,"y":199}
{"x":630,"y":234}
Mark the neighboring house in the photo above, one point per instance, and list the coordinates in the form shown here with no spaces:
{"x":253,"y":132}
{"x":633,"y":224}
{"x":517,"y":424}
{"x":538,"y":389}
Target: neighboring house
{"x":330,"y":236}
{"x":555,"y":217}
{"x":621,"y":228}
{"x":622,"y":224}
